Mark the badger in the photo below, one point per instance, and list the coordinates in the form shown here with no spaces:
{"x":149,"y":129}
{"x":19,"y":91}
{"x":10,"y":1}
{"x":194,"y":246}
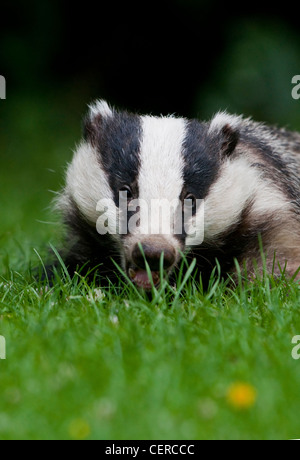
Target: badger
{"x":241,"y":177}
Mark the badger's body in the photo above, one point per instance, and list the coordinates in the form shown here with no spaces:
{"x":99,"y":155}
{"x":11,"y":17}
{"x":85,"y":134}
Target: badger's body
{"x":247,"y":174}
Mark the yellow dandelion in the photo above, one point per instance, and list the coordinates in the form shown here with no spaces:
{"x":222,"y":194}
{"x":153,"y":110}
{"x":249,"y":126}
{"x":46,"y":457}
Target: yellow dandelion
{"x":241,"y":395}
{"x":79,"y":429}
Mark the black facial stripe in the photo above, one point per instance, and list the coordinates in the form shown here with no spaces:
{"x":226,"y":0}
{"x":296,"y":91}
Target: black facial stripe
{"x":85,"y":248}
{"x":278,"y":171}
{"x":239,"y":242}
{"x":118,"y":144}
{"x":201,"y":160}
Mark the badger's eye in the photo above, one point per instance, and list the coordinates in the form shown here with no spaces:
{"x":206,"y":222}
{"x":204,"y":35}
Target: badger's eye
{"x":126,"y":189}
{"x":190,"y":202}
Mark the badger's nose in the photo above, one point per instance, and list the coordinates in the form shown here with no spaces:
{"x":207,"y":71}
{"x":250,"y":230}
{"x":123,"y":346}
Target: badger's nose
{"x":152,"y":253}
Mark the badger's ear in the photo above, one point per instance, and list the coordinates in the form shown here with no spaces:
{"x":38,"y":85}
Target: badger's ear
{"x":225,"y":129}
{"x":98,"y":112}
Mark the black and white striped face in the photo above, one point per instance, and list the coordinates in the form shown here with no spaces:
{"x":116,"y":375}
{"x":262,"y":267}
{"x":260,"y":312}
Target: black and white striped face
{"x":129,"y":167}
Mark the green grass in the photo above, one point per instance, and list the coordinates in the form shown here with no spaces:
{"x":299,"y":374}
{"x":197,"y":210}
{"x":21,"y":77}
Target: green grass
{"x":90,"y":363}
{"x":109,"y":364}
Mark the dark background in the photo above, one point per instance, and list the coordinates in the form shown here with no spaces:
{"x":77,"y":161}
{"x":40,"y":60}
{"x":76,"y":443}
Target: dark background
{"x":187,"y":57}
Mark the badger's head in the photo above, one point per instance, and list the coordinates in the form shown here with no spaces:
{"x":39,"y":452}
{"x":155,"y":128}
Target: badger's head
{"x":138,"y":179}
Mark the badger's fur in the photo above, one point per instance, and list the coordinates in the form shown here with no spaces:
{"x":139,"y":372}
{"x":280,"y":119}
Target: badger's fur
{"x":248,"y":175}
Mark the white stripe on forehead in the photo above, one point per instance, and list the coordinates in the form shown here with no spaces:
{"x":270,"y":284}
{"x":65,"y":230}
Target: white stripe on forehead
{"x":161,"y":159}
{"x":161,"y":172}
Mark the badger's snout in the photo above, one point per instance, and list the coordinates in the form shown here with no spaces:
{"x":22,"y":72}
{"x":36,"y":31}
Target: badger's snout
{"x":152,"y":251}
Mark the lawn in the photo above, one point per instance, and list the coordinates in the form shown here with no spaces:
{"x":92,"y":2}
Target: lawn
{"x":90,"y":362}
